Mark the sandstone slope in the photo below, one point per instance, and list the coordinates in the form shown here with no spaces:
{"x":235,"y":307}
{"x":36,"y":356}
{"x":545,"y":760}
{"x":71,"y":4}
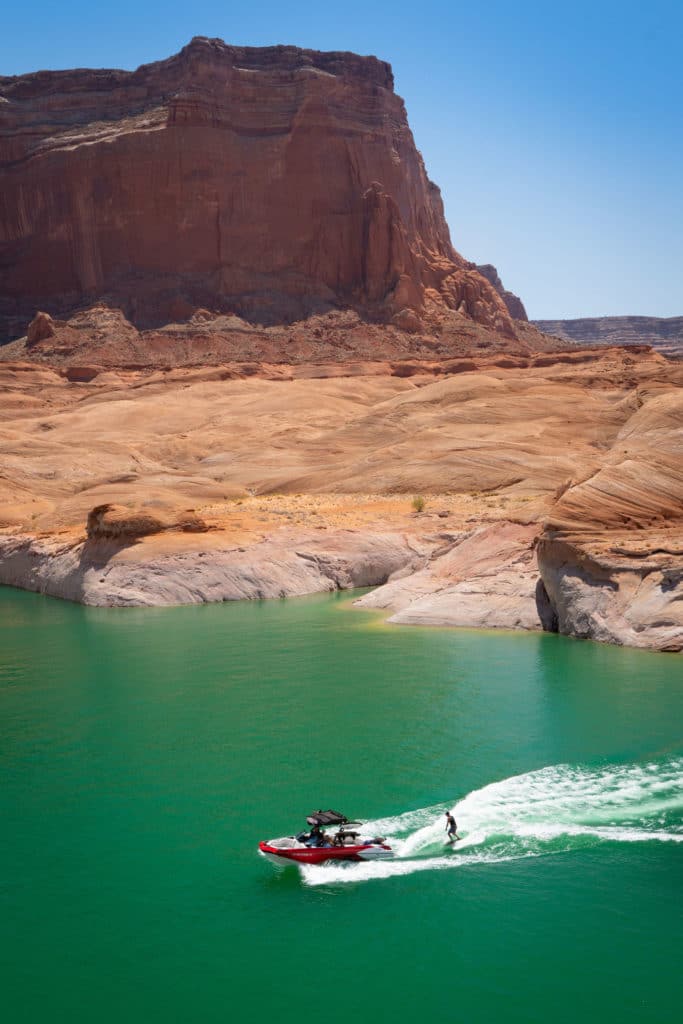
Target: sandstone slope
{"x":486,"y":577}
{"x":605,"y":561}
{"x":611,"y":556}
{"x":587,"y":444}
{"x":200,"y":438}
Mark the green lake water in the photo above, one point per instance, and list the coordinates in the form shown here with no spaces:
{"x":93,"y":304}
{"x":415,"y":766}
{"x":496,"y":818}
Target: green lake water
{"x":143,"y":754}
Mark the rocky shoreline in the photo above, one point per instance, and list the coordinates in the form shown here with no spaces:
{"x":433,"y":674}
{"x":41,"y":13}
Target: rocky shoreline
{"x":498,"y":575}
{"x":550,"y":495}
{"x":154,"y":573}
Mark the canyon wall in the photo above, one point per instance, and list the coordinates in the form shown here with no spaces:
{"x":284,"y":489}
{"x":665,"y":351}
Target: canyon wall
{"x":514,"y":304}
{"x":273,"y":183}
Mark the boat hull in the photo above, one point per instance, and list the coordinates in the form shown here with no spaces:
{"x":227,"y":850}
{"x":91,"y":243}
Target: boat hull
{"x":283,"y":855}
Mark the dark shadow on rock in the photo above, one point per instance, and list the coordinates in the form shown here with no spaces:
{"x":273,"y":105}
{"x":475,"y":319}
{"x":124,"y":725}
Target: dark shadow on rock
{"x":546,"y":610}
{"x":95,"y":554}
{"x":671,"y":580}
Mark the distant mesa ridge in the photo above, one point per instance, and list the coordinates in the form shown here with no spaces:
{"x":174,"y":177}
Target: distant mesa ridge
{"x":274,"y":183}
{"x":664,"y":333}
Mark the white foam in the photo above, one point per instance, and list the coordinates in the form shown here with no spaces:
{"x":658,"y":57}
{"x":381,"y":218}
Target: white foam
{"x":335,"y":874}
{"x":552,"y":810}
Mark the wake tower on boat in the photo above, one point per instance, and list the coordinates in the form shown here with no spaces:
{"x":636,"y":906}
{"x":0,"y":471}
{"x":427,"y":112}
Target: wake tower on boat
{"x":322,"y":818}
{"x":317,"y":846}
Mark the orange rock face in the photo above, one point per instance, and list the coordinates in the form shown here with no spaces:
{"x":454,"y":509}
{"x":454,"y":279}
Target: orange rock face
{"x":513,"y":302}
{"x":274,"y":183}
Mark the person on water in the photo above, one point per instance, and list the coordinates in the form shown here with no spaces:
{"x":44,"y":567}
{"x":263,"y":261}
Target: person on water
{"x":451,"y":827}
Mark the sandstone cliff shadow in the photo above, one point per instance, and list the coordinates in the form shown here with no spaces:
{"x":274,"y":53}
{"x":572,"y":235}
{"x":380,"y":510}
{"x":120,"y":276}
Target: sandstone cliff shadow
{"x":545,"y":608}
{"x":96,"y":552}
{"x":670,"y":581}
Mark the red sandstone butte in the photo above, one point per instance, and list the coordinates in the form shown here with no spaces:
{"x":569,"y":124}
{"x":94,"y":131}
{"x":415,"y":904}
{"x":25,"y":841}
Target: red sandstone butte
{"x":273,"y":183}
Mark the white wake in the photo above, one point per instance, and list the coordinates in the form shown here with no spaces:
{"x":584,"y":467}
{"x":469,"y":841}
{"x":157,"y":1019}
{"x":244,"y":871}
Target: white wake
{"x":552,"y":810}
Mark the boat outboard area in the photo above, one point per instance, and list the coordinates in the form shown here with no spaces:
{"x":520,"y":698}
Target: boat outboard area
{"x":329,"y":836}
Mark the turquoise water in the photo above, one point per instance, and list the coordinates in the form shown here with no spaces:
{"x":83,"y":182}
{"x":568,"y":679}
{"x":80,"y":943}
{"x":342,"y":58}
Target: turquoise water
{"x":144,"y":753}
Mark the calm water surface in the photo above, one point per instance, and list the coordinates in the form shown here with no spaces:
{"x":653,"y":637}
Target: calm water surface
{"x":144,"y":753}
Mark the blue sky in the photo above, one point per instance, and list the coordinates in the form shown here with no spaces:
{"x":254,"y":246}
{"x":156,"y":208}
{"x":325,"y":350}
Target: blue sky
{"x":555,"y":130}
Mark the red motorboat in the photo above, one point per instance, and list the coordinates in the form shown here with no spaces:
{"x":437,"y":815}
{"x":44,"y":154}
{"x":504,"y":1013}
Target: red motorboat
{"x":318,"y":846}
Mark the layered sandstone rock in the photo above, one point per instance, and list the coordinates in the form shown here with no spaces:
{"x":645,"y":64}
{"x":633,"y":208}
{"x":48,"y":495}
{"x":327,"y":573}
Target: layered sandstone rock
{"x":272,"y":182}
{"x":596,"y":593}
{"x":99,"y":336}
{"x":122,"y":523}
{"x":304,"y":475}
{"x":611,"y":556}
{"x":514,"y":304}
{"x":176,"y":439}
{"x":663,"y":333}
{"x":484,"y":578}
{"x":158,"y":572}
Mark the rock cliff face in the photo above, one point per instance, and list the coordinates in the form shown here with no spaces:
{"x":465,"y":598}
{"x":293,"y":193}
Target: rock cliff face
{"x":514,"y":304}
{"x":273,"y":183}
{"x":663,"y":333}
{"x":611,"y":554}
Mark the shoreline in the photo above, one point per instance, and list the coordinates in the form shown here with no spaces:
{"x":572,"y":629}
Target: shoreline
{"x":492,"y":575}
{"x":545,"y":497}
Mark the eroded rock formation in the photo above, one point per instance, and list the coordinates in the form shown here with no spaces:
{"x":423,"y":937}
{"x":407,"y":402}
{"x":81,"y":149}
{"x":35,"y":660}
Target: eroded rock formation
{"x":272,"y":182}
{"x":116,"y":522}
{"x":483,"y":578}
{"x":514,"y":304}
{"x":302,"y":476}
{"x":611,"y":555}
{"x":100,"y":336}
{"x":108,"y":573}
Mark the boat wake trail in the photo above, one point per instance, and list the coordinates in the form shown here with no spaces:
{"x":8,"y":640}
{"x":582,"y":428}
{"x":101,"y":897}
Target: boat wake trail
{"x":553,"y":810}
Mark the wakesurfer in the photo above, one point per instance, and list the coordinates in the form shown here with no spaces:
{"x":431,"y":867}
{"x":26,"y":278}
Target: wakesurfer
{"x":451,"y":828}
